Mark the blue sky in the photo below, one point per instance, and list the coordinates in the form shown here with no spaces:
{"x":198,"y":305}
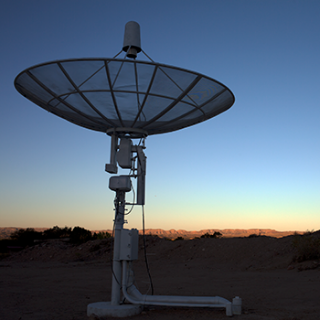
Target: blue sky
{"x":254,"y":166}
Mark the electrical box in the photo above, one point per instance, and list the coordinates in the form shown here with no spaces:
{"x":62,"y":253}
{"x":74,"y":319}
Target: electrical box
{"x":120,"y":183}
{"x":111,"y":168}
{"x":129,"y":244}
{"x":124,"y":155}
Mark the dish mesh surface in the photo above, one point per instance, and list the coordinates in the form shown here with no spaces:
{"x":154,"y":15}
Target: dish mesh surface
{"x":101,"y":94}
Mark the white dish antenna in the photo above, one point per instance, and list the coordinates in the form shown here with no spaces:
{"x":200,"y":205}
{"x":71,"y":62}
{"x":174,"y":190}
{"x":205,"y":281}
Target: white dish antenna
{"x":128,"y":99}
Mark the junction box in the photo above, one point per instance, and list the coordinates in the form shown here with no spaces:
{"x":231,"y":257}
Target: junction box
{"x":129,"y":244}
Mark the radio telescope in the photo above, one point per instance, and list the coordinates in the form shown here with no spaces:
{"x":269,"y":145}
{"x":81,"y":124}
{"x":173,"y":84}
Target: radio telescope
{"x":128,"y":99}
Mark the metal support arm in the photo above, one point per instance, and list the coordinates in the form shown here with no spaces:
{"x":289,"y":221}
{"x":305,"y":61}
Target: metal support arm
{"x":141,"y":182}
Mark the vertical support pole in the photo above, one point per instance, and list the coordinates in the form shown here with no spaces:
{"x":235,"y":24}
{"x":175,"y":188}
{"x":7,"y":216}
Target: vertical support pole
{"x":141,"y":180}
{"x":116,"y":266}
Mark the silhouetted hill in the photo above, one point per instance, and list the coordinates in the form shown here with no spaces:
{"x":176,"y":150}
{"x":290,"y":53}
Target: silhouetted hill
{"x":172,"y":233}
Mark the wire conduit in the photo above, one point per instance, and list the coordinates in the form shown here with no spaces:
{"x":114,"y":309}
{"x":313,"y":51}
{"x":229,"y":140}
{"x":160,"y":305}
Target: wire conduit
{"x":133,"y":295}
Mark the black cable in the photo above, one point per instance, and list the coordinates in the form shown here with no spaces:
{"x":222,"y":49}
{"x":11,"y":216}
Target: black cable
{"x":142,"y":139}
{"x":145,"y":251}
{"x":116,"y":204}
{"x":133,"y":200}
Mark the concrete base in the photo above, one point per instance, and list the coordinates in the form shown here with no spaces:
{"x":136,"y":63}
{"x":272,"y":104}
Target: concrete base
{"x":106,"y":309}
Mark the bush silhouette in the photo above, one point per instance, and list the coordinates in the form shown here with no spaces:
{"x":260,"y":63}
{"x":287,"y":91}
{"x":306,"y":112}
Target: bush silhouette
{"x":101,"y":235}
{"x":25,"y":237}
{"x":307,"y":246}
{"x":56,"y":233}
{"x":80,"y":235}
{"x":254,"y":235}
{"x":216,"y":234}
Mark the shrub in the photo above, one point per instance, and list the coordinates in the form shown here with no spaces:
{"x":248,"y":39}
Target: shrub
{"x":56,"y":233}
{"x":179,"y":238}
{"x":77,"y":235}
{"x":25,"y":237}
{"x":102,"y":235}
{"x":254,"y":235}
{"x":307,"y":246}
{"x":80,"y":235}
{"x":216,"y":234}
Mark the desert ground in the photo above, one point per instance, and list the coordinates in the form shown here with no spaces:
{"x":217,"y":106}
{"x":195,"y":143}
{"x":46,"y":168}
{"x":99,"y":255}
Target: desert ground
{"x":55,"y":280}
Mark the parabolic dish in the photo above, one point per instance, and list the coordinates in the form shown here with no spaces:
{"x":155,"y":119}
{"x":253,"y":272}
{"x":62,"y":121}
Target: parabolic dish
{"x":105,"y":94}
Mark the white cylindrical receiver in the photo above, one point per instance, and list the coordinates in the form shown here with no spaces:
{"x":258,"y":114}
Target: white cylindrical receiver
{"x":132,"y":39}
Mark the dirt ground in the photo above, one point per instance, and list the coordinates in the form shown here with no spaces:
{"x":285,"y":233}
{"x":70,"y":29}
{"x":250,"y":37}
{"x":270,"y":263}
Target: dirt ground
{"x":55,"y":280}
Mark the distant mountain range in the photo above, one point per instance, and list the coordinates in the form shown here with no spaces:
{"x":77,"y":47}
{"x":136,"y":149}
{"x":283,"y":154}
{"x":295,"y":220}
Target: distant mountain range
{"x":227,"y":233}
{"x":173,"y":234}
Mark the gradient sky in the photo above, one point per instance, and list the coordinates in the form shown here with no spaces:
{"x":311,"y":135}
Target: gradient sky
{"x":254,"y":166}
